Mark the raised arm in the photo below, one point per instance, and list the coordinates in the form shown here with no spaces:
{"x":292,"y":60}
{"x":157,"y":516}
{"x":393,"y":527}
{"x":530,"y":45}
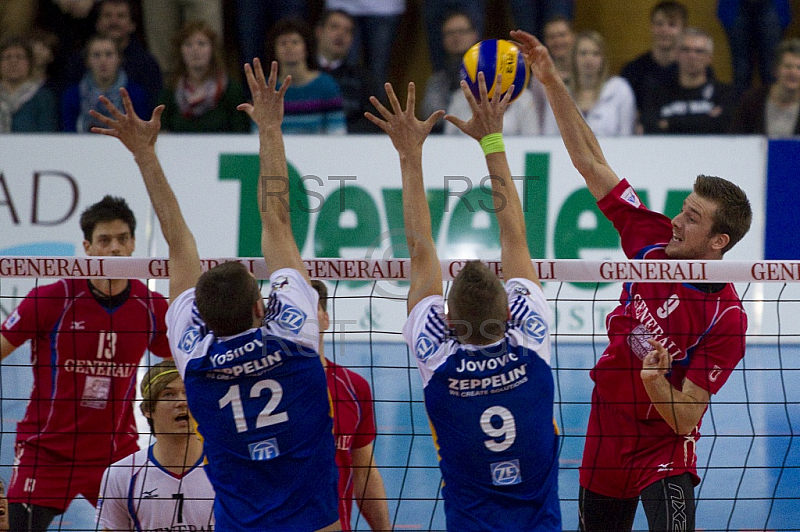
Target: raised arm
{"x":486,"y":126}
{"x":139,"y":137}
{"x":580,"y":141}
{"x":277,"y":240}
{"x":408,"y":135}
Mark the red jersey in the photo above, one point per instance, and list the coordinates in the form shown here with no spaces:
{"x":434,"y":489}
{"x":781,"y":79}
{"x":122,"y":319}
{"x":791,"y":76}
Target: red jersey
{"x":702,"y":325}
{"x":353,"y":428}
{"x":84,"y":359}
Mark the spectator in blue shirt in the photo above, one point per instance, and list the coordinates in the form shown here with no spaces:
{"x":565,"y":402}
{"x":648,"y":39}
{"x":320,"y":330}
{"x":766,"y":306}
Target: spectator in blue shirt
{"x":313,"y":103}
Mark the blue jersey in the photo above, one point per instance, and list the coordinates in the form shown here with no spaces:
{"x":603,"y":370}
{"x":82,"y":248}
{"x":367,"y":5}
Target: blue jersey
{"x":261,"y":403}
{"x":491,"y":409}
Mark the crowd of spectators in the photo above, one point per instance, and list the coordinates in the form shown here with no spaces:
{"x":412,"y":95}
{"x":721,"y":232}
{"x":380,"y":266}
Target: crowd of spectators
{"x":58,"y":56}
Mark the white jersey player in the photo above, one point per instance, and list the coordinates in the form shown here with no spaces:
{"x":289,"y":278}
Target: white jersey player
{"x":164,"y":487}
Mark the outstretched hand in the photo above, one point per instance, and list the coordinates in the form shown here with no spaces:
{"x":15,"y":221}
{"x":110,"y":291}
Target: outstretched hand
{"x":487,"y":115}
{"x":406,"y":131}
{"x":536,"y":55}
{"x":136,"y":134}
{"x":267,"y":107}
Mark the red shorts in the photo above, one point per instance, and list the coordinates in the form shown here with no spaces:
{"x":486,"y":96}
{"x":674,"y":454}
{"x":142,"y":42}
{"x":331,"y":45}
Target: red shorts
{"x":39,"y":479}
{"x":623,"y":455}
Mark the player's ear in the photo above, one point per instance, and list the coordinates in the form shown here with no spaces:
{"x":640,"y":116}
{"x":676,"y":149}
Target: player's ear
{"x":719,"y":241}
{"x":86,"y":246}
{"x":258,"y":310}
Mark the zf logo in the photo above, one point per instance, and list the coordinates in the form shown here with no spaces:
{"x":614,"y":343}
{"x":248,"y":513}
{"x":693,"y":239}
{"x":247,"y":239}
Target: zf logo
{"x":536,"y":328}
{"x":189,"y":339}
{"x":264,"y":450}
{"x":292,"y":319}
{"x":506,"y":473}
{"x":424,"y":348}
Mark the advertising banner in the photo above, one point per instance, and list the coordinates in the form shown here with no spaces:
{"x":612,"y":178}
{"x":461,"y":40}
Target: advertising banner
{"x":346,"y":202}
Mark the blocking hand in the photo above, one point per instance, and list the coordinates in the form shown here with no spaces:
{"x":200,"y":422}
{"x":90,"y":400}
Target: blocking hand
{"x":267,"y":107}
{"x":406,"y":131}
{"x":136,"y":134}
{"x":487,"y":115}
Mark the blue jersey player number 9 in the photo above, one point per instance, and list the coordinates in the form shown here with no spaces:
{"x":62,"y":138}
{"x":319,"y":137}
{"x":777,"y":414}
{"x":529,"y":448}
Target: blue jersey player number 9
{"x":507,"y":429}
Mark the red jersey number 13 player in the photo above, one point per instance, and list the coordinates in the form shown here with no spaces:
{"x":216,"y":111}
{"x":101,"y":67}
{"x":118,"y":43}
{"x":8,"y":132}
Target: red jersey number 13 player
{"x":671,"y":345}
{"x":87,"y":339}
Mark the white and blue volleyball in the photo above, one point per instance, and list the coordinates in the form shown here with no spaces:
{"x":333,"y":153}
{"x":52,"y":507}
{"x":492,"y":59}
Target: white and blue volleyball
{"x":500,"y":61}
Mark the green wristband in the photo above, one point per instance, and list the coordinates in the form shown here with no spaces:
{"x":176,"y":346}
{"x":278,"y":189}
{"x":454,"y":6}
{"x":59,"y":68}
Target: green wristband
{"x":493,"y":143}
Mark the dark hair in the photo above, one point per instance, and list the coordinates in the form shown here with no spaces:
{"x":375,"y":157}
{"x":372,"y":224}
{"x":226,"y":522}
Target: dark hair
{"x":558,"y":18}
{"x":286,"y":26}
{"x":672,"y":10}
{"x":225,"y":296}
{"x":108,"y":209}
{"x":127,"y":3}
{"x":458,"y":13}
{"x":787,"y":46}
{"x":328,"y":13}
{"x":733,"y":214}
{"x":19,"y":42}
{"x":322,"y":290}
{"x":477,"y":305}
{"x":217,"y":66}
{"x":96,"y":38}
{"x":152,"y":385}
{"x":47,"y":38}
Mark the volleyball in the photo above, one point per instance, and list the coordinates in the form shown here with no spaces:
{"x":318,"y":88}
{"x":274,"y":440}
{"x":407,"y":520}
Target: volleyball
{"x":495,"y":58}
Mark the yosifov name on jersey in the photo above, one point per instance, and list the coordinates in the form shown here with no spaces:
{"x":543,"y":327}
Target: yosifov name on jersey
{"x":253,"y":367}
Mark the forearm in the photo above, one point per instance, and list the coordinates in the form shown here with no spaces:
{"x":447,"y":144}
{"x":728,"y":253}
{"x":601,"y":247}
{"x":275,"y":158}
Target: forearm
{"x":581,"y":143}
{"x":273,"y":183}
{"x":374,"y":506}
{"x":426,"y":273}
{"x":417,"y":221}
{"x":416,"y":214}
{"x":507,"y":205}
{"x":165,"y":204}
{"x":681,"y":411}
{"x":368,"y":489}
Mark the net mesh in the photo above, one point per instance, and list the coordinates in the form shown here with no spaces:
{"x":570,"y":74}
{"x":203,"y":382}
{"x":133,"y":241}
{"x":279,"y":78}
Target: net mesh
{"x":748,"y":456}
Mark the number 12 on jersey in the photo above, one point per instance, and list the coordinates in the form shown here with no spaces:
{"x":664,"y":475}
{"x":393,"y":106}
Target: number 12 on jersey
{"x":266,"y":417}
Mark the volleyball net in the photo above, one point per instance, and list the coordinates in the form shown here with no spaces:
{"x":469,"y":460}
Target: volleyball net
{"x":748,"y":455}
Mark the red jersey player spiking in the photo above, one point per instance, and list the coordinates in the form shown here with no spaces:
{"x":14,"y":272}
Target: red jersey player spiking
{"x":671,"y":345}
{"x":87,"y":339}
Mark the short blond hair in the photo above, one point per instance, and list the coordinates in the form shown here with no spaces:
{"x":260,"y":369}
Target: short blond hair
{"x":155,"y":380}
